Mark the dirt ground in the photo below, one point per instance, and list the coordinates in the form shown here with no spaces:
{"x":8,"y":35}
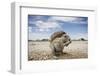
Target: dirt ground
{"x":41,"y":51}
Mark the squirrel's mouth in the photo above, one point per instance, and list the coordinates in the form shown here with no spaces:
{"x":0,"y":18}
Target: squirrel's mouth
{"x":64,"y":42}
{"x":67,"y":41}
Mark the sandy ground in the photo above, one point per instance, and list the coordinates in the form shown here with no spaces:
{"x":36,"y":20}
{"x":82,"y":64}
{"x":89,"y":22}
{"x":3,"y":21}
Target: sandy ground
{"x":42,"y":51}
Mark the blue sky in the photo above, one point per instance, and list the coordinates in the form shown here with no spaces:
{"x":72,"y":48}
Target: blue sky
{"x":41,"y":26}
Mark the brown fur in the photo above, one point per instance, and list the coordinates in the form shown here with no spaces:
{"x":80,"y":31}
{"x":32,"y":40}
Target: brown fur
{"x":58,"y":41}
{"x":56,"y":35}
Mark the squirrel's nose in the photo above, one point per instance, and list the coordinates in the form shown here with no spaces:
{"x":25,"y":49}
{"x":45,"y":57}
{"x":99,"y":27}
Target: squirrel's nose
{"x":69,"y":39}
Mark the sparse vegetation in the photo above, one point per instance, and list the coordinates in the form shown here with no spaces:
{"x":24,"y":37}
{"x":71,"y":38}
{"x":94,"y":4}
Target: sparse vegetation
{"x":82,"y":39}
{"x":41,"y":51}
{"x":44,"y":40}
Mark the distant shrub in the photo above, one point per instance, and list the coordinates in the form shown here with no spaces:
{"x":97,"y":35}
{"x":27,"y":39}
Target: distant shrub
{"x":44,"y":40}
{"x":30,"y":40}
{"x":82,"y":39}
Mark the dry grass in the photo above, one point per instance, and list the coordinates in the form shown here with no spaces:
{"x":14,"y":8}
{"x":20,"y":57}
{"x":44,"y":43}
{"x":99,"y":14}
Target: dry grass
{"x":42,"y":51}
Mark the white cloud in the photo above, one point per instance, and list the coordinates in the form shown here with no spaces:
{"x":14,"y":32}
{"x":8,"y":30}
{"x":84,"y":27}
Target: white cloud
{"x":29,"y":29}
{"x":68,"y":19}
{"x":31,"y":22}
{"x":53,"y":22}
{"x":47,"y":25}
{"x":62,"y":19}
{"x":41,"y":29}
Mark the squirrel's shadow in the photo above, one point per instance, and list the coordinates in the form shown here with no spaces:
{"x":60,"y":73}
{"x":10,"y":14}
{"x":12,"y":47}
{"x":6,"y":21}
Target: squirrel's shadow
{"x":64,"y":56}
